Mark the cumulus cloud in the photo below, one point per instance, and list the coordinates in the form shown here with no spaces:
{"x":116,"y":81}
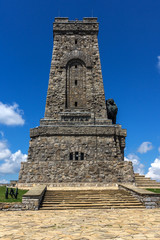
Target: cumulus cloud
{"x":4,"y":181}
{"x":145,"y":147}
{"x":154,"y":170}
{"x":158,"y":64}
{"x":10,"y":115}
{"x":4,"y":151}
{"x":137,"y":166}
{"x":10,"y":161}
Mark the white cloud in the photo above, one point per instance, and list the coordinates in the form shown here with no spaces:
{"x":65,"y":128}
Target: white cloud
{"x":4,"y":151}
{"x":137,"y":166}
{"x":12,"y":164}
{"x":2,"y":134}
{"x":158,"y":64}
{"x":11,"y":115}
{"x":154,"y":170}
{"x":3,"y":181}
{"x":11,"y":161}
{"x":145,"y":147}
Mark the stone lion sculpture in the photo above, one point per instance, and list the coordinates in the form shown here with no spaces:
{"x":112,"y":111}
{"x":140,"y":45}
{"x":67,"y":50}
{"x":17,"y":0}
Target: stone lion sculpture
{"x":112,"y":110}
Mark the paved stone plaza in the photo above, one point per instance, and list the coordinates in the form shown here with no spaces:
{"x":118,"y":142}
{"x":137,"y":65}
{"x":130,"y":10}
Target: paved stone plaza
{"x":81,"y":224}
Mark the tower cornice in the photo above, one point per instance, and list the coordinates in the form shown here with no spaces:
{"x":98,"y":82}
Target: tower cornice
{"x":65,"y":26}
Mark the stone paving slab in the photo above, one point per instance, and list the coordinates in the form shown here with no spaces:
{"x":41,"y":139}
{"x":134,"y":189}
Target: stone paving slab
{"x":81,"y":224}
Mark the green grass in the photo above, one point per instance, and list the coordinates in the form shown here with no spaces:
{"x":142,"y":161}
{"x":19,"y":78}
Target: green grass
{"x":155,"y":190}
{"x":10,"y":199}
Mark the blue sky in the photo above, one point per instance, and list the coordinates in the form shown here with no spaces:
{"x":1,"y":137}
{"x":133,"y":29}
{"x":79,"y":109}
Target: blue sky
{"x":129,"y":43}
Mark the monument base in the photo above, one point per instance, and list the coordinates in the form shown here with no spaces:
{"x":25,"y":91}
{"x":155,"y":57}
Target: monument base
{"x":72,"y":171}
{"x":92,"y":153}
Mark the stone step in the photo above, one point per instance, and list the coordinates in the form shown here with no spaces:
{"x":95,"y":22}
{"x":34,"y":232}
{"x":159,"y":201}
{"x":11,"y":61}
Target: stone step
{"x":143,"y":182}
{"x":137,"y":176}
{"x":86,"y":193}
{"x":105,"y":207}
{"x":145,"y":179}
{"x":147,"y":182}
{"x":89,"y":199}
{"x":141,"y":176}
{"x":80,"y":195}
{"x":89,"y":202}
{"x":92,"y":205}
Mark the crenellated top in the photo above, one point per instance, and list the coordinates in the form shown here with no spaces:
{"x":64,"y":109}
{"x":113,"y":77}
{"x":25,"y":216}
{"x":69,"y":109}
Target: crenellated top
{"x":65,"y":26}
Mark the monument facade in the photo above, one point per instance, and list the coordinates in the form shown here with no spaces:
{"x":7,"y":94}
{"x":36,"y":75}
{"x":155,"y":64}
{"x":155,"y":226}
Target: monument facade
{"x":76,"y":142}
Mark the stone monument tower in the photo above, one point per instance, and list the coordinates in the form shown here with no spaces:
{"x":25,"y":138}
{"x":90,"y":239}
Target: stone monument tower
{"x":75,"y":141}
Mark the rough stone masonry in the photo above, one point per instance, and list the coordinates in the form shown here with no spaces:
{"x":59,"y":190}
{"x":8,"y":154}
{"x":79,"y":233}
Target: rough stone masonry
{"x":75,"y":141}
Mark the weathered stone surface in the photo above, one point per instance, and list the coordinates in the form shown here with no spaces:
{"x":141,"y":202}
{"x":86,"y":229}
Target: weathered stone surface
{"x":11,"y":206}
{"x":75,"y":58}
{"x":75,"y":141}
{"x":81,"y":224}
{"x":148,"y":198}
{"x":31,"y":200}
{"x":73,"y":171}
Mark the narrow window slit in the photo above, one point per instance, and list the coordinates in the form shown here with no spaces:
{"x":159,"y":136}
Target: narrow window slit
{"x":71,"y":156}
{"x":76,"y":155}
{"x":82,"y":156}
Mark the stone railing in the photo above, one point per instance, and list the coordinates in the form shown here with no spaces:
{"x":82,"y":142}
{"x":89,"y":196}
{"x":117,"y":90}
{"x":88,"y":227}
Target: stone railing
{"x":149,"y":199}
{"x":33,"y":198}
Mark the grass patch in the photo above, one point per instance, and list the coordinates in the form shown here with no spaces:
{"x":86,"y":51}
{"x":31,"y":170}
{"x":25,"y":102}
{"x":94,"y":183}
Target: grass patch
{"x":155,"y":190}
{"x":10,"y":199}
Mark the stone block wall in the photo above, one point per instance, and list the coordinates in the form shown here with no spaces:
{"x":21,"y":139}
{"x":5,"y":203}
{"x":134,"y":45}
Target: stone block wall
{"x":11,"y":206}
{"x":49,"y":155}
{"x":76,"y":171}
{"x":75,"y":45}
{"x":96,"y":142}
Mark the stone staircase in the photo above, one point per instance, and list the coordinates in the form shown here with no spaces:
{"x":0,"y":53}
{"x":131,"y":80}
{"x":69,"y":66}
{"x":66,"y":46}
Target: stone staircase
{"x":143,"y":182}
{"x":89,"y":199}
